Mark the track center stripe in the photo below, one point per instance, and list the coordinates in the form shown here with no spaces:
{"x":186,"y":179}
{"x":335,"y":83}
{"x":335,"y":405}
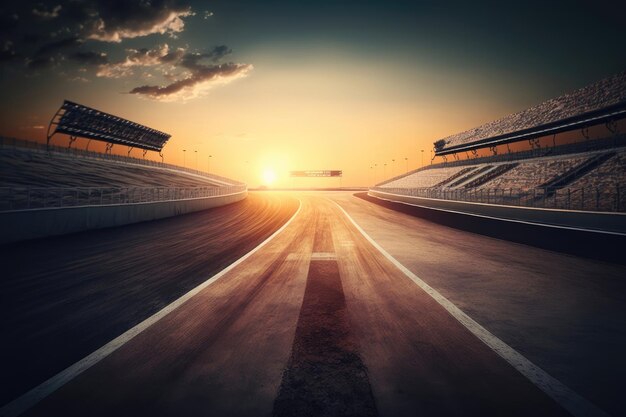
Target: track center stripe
{"x":567,"y":398}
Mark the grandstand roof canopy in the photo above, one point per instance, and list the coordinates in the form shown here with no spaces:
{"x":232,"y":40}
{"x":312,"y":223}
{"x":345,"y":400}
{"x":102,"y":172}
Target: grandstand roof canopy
{"x":81,"y":121}
{"x":596,"y":103}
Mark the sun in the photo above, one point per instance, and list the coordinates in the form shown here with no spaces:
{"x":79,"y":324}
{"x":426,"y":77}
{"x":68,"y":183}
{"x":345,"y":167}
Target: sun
{"x":269,"y":176}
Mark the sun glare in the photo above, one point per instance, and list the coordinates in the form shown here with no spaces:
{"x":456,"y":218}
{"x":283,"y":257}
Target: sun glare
{"x":269,"y":176}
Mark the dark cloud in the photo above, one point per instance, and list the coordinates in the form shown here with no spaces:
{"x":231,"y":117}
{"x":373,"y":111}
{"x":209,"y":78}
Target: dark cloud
{"x":219,"y":52}
{"x":44,"y":12}
{"x":116,"y":20}
{"x":144,"y":57}
{"x":78,"y":37}
{"x":172,"y":57}
{"x":40,"y":63}
{"x":90,"y":58}
{"x":166,"y":60}
{"x":148,"y":56}
{"x":201,"y":79}
{"x":191,"y":60}
{"x":49,"y":54}
{"x":56,"y":46}
{"x":48,"y":32}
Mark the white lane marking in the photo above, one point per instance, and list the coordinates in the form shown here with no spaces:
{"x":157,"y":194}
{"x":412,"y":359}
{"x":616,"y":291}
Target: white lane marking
{"x":35,"y":395}
{"x":467,"y":213}
{"x":568,"y":399}
{"x":323,"y":256}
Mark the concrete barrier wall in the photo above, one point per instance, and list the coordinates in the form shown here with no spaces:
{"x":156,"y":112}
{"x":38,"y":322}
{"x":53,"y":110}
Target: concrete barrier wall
{"x":30,"y":224}
{"x":601,"y":221}
{"x":586,"y":242}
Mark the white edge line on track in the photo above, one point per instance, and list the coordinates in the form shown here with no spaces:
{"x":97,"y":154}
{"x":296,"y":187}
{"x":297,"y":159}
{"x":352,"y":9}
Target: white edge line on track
{"x":568,"y":399}
{"x":35,"y":395}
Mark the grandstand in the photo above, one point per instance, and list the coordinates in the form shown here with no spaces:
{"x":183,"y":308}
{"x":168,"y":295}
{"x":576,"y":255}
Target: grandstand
{"x":34,"y":176}
{"x":588,"y":174}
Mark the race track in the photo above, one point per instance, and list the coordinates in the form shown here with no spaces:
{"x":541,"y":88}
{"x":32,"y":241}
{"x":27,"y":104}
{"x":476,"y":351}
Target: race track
{"x":317,"y":321}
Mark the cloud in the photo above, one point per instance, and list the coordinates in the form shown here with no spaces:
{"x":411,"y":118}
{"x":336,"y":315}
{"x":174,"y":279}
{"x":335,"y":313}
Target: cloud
{"x":160,"y":55}
{"x":190,"y":60}
{"x":56,"y":46}
{"x":47,"y":32}
{"x":171,"y":63}
{"x":123,"y":19}
{"x":39,"y":63}
{"x":202,"y":79}
{"x":186,"y":72}
{"x":90,"y":58}
{"x":41,"y":12}
{"x":79,"y":38}
{"x":48,"y":54}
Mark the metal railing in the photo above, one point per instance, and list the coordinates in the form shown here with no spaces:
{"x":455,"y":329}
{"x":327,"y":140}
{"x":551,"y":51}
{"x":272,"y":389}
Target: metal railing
{"x":610,"y":199}
{"x":25,"y":198}
{"x":17,"y":144}
{"x":606,"y":143}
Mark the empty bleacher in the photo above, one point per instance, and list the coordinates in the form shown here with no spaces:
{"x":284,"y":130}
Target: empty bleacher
{"x":23,"y":168}
{"x":32,"y":178}
{"x":532,"y":173}
{"x":587,"y":174}
{"x":604,"y":186}
{"x":424,"y":178}
{"x":593,"y":180}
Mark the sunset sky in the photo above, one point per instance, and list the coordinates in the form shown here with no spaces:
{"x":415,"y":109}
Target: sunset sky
{"x":278,"y":86}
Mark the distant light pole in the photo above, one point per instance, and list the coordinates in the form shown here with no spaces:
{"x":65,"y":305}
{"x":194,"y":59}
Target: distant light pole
{"x":196,"y":152}
{"x":208,"y":166}
{"x":385,"y":171}
{"x":407,"y":165}
{"x":375,"y":173}
{"x":431,"y":157}
{"x":184,"y":157}
{"x":422,"y":158}
{"x":393,"y":167}
{"x":371,"y":176}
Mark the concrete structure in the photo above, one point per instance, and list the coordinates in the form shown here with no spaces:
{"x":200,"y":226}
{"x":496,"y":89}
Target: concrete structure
{"x":36,"y":223}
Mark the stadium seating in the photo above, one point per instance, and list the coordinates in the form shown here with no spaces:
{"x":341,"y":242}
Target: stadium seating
{"x":424,"y":178}
{"x":533,"y":173}
{"x":603,"y":95}
{"x":23,"y":168}
{"x":600,"y":188}
{"x":593,"y":180}
{"x":587,"y":174}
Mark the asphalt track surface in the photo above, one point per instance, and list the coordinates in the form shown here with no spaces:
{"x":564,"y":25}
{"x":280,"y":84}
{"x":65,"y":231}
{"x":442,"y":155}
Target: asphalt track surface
{"x":319,"y":322}
{"x":62,"y":298}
